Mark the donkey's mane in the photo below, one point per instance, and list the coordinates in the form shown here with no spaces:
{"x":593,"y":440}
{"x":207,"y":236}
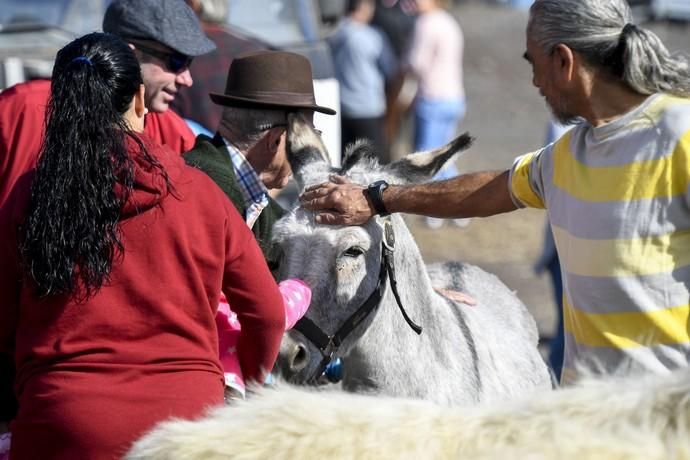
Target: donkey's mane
{"x":361,"y":153}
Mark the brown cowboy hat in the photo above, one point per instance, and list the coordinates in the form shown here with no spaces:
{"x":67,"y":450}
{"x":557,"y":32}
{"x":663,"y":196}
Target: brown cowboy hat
{"x":270,"y":79}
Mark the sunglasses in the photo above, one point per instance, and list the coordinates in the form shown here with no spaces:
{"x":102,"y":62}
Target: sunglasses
{"x":174,"y":61}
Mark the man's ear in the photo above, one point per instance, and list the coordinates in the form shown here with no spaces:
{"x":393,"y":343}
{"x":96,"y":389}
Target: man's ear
{"x":565,"y":61}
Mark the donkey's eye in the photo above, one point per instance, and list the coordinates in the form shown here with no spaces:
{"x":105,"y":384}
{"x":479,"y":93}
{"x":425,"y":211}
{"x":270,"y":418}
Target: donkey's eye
{"x":354,"y":251}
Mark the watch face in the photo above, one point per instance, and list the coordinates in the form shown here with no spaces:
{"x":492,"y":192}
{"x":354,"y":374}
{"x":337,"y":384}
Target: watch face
{"x":378,"y":184}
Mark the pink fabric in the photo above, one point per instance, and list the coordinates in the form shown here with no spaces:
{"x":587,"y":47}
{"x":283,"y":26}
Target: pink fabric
{"x":296,"y":298}
{"x":436,"y":55}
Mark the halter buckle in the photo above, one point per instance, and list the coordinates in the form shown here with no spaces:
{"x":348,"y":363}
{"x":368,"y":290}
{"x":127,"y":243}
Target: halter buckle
{"x":388,"y":238}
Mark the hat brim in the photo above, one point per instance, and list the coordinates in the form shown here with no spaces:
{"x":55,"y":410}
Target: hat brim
{"x":199,"y":46}
{"x":245,"y":102}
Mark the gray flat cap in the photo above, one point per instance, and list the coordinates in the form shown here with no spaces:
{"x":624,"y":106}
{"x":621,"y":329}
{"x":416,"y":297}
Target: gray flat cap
{"x":170,"y":22}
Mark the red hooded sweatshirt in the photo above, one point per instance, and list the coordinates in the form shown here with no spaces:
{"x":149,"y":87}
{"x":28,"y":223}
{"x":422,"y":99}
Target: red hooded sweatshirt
{"x":92,"y":377}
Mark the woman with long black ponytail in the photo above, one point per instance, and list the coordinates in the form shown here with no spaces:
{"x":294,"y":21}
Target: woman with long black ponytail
{"x":84,"y":156}
{"x":113,"y":256}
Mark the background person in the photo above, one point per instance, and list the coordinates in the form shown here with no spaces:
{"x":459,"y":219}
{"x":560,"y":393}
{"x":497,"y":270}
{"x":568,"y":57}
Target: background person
{"x":396,"y":19}
{"x":619,"y":220}
{"x":436,"y":61}
{"x":114,"y":257}
{"x":548,"y":262}
{"x":296,"y":296}
{"x":364,"y":64}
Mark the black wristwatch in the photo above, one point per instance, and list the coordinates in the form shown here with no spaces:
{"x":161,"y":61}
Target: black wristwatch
{"x":375,"y":192}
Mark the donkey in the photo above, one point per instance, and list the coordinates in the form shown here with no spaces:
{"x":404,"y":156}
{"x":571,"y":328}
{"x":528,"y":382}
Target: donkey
{"x":370,"y":288}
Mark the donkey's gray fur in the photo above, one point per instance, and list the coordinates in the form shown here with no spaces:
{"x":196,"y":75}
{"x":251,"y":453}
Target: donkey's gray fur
{"x":465,"y":354}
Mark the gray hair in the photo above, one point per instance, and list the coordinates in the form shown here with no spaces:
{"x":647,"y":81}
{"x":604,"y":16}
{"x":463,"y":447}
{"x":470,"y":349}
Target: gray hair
{"x":244,"y":127}
{"x":604,"y":34}
{"x":213,"y":10}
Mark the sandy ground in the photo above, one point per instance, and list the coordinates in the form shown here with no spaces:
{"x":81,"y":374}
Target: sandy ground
{"x":508,"y":117}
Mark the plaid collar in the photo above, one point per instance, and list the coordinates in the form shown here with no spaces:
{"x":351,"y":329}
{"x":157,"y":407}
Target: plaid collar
{"x":253,"y":190}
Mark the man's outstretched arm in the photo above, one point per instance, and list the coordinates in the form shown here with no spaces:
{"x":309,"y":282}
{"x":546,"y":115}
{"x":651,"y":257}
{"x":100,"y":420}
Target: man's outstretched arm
{"x":478,"y":194}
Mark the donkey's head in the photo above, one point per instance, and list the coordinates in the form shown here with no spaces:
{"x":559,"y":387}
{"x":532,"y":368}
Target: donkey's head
{"x":341,"y":264}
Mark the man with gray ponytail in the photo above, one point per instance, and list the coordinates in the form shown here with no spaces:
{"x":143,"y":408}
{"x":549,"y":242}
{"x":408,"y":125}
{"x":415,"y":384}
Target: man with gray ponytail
{"x":616,"y":187}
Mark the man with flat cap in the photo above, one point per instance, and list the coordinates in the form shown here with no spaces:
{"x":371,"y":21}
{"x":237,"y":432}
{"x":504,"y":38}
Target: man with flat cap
{"x":166,"y":35}
{"x":247,"y":157}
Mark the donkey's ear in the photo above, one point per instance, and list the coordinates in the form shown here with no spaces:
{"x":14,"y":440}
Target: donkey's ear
{"x":305,"y":149}
{"x":359,"y":152}
{"x":420,"y":166}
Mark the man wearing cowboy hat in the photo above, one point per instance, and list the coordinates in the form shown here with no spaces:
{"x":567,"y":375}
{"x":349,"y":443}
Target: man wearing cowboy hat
{"x":247,"y":157}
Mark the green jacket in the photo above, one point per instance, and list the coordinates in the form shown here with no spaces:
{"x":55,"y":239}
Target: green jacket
{"x":212,"y":157}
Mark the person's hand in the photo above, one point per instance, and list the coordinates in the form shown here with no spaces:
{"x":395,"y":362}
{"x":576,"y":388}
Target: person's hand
{"x":457,"y":296}
{"x":339,"y":202}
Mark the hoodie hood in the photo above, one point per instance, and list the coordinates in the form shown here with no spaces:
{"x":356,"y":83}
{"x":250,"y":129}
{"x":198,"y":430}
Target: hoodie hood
{"x":150,"y":186}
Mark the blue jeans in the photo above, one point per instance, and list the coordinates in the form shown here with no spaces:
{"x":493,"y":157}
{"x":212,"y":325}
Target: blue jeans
{"x":436,"y":122}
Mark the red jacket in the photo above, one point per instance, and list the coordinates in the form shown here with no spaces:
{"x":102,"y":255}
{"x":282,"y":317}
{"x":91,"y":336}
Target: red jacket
{"x":93,"y":377}
{"x":22,"y":109}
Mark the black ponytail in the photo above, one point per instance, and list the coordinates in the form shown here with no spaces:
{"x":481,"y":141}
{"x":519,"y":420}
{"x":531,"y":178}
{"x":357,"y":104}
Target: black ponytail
{"x":71,"y":236}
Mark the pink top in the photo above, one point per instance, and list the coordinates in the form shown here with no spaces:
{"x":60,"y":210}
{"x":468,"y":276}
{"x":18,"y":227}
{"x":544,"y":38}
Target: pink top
{"x":436,"y":55}
{"x":296,"y":298}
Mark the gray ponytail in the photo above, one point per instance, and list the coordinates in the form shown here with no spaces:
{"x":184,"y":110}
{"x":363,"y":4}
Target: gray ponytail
{"x":603,"y":33}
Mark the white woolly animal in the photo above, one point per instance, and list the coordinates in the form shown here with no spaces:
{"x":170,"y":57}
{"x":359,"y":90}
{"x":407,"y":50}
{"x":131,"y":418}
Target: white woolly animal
{"x":645,"y":418}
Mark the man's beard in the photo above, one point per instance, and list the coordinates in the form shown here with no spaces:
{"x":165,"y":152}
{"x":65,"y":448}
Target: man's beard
{"x":560,"y":112}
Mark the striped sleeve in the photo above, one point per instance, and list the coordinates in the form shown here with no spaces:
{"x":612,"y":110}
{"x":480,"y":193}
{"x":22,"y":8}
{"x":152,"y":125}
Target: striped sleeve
{"x":526,"y":185}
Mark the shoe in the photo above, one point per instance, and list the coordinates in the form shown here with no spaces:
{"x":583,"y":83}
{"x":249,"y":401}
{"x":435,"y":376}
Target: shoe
{"x":434,"y":223}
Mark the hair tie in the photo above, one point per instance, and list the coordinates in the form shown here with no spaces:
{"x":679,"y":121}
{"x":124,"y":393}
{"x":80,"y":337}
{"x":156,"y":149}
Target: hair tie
{"x":628,"y":28}
{"x":83,"y":58}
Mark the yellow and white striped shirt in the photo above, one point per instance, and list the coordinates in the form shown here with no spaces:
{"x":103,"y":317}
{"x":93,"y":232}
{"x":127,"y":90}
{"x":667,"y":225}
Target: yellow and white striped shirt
{"x":618,"y":199}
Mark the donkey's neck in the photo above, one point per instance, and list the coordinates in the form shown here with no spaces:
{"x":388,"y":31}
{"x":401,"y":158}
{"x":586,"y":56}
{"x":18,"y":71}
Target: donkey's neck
{"x":413,"y":283}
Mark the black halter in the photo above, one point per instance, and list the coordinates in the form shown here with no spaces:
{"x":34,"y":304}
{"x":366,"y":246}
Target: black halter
{"x":329,"y":344}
